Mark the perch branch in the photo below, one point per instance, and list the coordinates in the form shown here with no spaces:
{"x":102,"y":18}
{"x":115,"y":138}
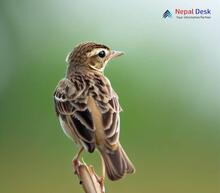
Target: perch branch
{"x":89,"y":180}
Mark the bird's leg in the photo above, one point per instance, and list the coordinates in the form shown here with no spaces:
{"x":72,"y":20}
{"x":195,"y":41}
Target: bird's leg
{"x":102,"y":178}
{"x":76,"y":162}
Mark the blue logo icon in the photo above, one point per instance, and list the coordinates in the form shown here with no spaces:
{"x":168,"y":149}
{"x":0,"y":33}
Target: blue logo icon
{"x":167,"y":13}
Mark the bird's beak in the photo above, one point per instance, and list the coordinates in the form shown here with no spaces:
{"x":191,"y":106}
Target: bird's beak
{"x":115,"y":54}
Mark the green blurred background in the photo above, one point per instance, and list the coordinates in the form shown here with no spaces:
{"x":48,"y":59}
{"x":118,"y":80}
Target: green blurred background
{"x":168,"y":83}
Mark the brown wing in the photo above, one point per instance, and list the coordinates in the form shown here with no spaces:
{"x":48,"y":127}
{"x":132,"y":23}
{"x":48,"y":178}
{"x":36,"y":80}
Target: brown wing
{"x":70,"y":99}
{"x":107,"y":101}
{"x":111,"y":121}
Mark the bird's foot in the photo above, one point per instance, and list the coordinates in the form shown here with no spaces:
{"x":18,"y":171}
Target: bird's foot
{"x":99,"y":179}
{"x":76,"y":163}
{"x":101,"y":182}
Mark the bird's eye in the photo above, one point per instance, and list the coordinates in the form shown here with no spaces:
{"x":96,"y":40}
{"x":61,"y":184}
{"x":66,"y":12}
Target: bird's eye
{"x":102,"y":54}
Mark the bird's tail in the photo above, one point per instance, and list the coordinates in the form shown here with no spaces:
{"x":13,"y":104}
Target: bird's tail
{"x":117,"y":163}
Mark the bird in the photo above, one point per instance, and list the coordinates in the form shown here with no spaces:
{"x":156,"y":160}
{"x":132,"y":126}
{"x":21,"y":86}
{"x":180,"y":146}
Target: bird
{"x":88,"y":107}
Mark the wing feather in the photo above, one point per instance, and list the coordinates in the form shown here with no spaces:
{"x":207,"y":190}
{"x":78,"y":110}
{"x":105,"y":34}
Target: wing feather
{"x":71,"y":106}
{"x":108,"y":103}
{"x":71,"y":102}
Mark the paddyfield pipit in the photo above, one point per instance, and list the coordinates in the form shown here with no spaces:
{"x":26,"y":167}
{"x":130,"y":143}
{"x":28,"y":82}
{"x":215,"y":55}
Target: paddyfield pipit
{"x":88,"y":107}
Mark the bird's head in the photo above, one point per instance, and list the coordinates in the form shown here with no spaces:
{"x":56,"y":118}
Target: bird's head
{"x":91,"y":55}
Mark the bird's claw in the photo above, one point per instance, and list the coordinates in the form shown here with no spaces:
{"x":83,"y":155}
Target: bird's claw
{"x":99,"y":179}
{"x":101,"y":182}
{"x":76,"y":163}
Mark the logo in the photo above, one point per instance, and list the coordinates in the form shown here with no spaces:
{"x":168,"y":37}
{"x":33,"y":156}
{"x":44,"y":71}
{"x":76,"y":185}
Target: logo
{"x":192,"y":13}
{"x":167,"y":13}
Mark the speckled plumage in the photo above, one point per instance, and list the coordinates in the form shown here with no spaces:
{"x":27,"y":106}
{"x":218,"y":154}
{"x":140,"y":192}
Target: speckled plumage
{"x":88,"y":107}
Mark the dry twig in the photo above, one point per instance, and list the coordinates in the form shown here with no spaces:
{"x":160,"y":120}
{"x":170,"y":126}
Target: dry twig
{"x":89,"y":180}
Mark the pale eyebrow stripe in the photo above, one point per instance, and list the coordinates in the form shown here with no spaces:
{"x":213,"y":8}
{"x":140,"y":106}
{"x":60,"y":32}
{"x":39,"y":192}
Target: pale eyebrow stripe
{"x":95,"y":51}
